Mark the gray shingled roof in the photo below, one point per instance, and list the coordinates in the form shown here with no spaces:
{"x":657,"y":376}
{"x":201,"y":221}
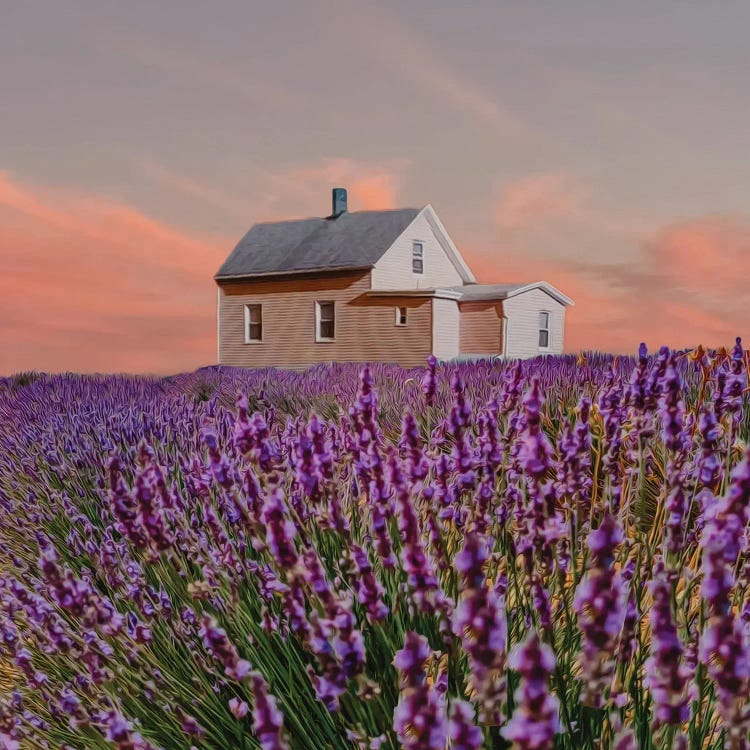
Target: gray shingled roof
{"x":353,"y":240}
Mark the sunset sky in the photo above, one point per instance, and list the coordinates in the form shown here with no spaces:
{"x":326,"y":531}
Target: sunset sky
{"x":601,"y":146}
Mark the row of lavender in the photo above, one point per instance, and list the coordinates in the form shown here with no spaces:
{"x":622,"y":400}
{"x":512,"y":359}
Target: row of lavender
{"x":552,"y":552}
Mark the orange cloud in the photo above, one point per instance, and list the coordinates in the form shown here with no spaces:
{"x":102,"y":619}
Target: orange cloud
{"x":684,"y":285}
{"x":712,"y":253}
{"x":92,"y":285}
{"x":300,"y":191}
{"x":297,"y":191}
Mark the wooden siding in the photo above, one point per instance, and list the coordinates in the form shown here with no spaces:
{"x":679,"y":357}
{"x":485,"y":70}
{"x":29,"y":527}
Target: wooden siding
{"x":481,"y":327}
{"x":366,"y":328}
{"x":522,"y":331}
{"x":393,"y":270}
{"x":445,"y":328}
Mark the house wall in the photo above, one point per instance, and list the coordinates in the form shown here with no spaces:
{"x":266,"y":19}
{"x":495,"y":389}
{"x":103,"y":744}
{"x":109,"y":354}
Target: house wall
{"x":445,"y":328}
{"x":481,"y":328}
{"x":366,"y":328}
{"x":522,"y":331}
{"x":393,"y":270}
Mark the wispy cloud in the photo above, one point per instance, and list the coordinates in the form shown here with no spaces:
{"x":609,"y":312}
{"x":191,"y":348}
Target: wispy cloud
{"x":195,"y":189}
{"x":408,"y":56}
{"x":291,"y":192}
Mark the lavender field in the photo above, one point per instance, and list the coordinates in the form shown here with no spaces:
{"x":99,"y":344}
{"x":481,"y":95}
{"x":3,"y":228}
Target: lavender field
{"x":551,"y":553}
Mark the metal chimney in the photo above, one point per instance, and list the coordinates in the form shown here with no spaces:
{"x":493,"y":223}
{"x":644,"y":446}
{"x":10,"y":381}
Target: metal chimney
{"x":339,"y":202}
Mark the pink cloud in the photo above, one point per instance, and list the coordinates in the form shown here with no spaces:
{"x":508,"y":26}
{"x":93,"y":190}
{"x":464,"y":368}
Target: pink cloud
{"x":305,"y":190}
{"x":683,"y":285}
{"x":710,"y":253}
{"x":297,"y":191}
{"x":93,"y":285}
{"x":530,"y":200}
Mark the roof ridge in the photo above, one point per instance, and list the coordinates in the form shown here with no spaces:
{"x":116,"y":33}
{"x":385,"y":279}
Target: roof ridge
{"x":333,"y":218}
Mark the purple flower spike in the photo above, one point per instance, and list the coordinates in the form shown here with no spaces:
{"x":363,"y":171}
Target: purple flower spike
{"x":535,"y":721}
{"x":600,"y":604}
{"x":666,"y":675}
{"x":429,"y":381}
{"x":223,"y":650}
{"x":479,"y":621}
{"x":268,"y":723}
{"x":463,"y":732}
{"x":419,"y":719}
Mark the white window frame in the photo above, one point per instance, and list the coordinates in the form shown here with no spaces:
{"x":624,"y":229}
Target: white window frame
{"x":405,"y":316}
{"x":319,"y":319}
{"x":248,"y":339}
{"x":417,"y":254}
{"x":546,"y":329}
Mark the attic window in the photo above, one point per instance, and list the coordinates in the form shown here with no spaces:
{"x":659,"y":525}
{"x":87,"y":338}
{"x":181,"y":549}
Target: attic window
{"x":325,"y":321}
{"x":544,"y":330}
{"x":253,"y":324}
{"x":400,"y":316}
{"x":417,"y":257}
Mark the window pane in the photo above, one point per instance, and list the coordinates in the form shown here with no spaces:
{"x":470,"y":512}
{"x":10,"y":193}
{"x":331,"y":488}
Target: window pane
{"x":254,"y":321}
{"x":543,"y":339}
{"x":326,"y":310}
{"x":544,"y":320}
{"x":326,"y":318}
{"x":417,"y":249}
{"x":416,"y":265}
{"x":326,"y":329}
{"x":401,"y":316}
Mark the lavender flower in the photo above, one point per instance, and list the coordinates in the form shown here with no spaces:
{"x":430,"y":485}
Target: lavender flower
{"x":463,"y":733}
{"x":535,"y":720}
{"x":724,"y":647}
{"x":479,"y":621}
{"x":268,"y":723}
{"x":419,"y":719}
{"x":600,"y":605}
{"x":666,"y":675}
{"x":221,"y":648}
{"x":429,"y":381}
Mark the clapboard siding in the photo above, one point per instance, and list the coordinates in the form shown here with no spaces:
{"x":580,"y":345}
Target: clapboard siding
{"x":522,"y":331}
{"x":366,"y":328}
{"x":445,"y":328}
{"x":394,"y":269}
{"x":481,"y":327}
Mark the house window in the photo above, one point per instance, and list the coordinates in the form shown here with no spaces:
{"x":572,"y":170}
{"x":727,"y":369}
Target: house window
{"x":253,"y":324}
{"x":417,"y":257}
{"x":400,"y":316}
{"x":325,"y":321}
{"x":544,"y":330}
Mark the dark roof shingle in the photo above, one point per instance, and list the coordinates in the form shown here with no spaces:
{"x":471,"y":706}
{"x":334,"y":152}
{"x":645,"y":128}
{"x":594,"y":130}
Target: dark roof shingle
{"x":353,"y":240}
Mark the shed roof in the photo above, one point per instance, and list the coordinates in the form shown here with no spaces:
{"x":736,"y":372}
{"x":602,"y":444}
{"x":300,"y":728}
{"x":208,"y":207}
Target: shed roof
{"x":349,"y":241}
{"x":476,"y":292}
{"x":479,"y":292}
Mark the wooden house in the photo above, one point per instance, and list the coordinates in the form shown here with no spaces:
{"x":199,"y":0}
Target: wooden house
{"x":375,"y":286}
